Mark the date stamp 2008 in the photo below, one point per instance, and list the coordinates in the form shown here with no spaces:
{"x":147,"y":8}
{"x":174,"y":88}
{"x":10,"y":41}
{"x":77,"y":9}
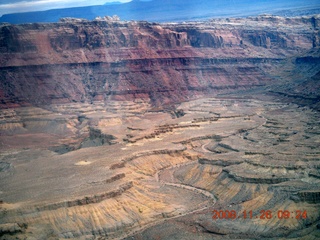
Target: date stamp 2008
{"x":263,"y":214}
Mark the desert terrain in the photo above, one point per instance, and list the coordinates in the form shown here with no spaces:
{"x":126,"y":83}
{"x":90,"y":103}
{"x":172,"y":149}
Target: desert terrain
{"x":136,"y":130}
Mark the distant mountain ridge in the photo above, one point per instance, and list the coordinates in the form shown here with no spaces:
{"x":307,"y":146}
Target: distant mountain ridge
{"x":112,"y":3}
{"x":169,"y":10}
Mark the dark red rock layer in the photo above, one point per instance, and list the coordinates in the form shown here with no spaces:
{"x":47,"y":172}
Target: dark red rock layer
{"x":88,"y":61}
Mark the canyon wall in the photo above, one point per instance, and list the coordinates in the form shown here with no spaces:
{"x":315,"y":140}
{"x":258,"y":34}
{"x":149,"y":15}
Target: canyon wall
{"x":84,"y":61}
{"x":92,"y":148}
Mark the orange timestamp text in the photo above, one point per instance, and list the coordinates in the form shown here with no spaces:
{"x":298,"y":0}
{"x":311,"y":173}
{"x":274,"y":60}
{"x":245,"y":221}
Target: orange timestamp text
{"x":263,"y":214}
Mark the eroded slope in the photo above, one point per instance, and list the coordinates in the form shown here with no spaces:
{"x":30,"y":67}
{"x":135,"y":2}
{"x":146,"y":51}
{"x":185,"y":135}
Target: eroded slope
{"x":161,"y":170}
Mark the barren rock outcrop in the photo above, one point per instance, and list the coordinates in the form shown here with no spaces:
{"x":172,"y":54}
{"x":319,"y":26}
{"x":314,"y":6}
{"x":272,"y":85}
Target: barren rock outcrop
{"x":92,"y":146}
{"x":225,"y":154}
{"x":85,"y":61}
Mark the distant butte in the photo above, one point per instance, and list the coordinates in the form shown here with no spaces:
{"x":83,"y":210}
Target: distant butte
{"x":117,"y":130}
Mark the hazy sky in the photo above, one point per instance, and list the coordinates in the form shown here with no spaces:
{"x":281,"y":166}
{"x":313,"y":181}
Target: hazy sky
{"x":14,"y":6}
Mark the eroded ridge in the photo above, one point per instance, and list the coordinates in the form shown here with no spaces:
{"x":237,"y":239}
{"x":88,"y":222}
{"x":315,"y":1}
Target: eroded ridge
{"x":122,"y":170}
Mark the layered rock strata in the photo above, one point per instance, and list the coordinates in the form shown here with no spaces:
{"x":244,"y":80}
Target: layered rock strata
{"x":84,"y":61}
{"x":162,"y":173}
{"x":89,"y":148}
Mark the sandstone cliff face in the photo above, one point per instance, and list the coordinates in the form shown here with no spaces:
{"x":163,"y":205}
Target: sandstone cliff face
{"x":83,"y":165}
{"x":82,"y":61}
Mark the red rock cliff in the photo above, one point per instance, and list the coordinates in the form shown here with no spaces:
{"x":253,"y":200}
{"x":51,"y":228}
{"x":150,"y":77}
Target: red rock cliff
{"x":87,"y":61}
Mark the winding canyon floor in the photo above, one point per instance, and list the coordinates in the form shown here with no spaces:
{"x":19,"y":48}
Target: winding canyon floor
{"x":125,"y":170}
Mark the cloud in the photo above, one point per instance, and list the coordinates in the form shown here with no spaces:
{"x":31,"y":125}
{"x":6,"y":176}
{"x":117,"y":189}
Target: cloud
{"x":38,"y":5}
